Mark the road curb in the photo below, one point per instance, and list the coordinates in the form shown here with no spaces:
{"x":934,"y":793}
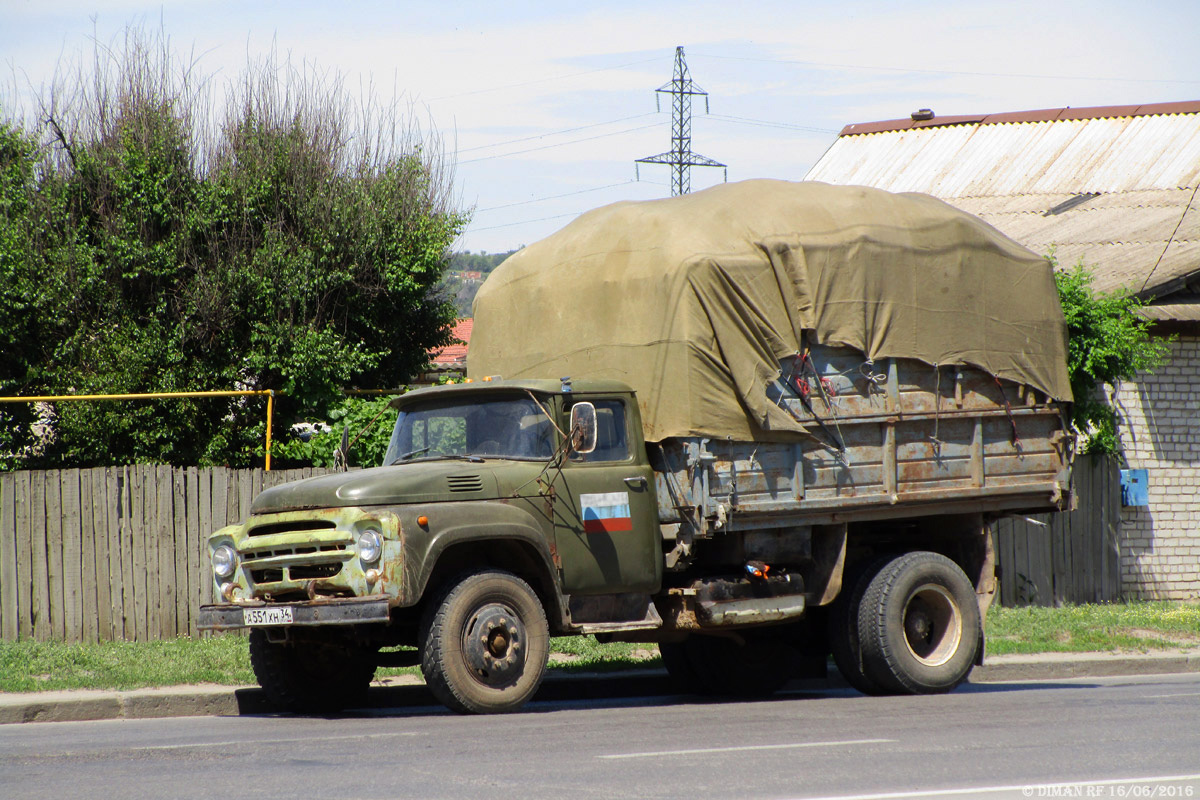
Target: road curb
{"x":179,"y":702}
{"x":83,"y":706}
{"x":1058,"y":666}
{"x":193,"y":701}
{"x":55,"y":707}
{"x":79,"y":706}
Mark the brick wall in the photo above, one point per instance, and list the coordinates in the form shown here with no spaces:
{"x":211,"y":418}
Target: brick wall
{"x":1160,"y":543}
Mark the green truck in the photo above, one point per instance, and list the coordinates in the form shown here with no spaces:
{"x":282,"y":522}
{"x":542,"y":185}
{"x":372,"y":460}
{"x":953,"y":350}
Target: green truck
{"x":780,"y":441}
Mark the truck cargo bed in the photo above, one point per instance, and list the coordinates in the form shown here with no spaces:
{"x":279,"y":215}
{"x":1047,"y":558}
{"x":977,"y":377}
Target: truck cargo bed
{"x":891,"y":439}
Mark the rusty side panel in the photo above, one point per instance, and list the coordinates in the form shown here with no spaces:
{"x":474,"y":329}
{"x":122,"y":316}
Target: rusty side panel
{"x":892,"y":435}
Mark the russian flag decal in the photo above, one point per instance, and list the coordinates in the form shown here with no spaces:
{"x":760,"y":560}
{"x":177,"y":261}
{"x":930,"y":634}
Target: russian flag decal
{"x":605,"y":513}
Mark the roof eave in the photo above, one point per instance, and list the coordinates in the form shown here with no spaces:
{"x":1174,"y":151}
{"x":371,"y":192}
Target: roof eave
{"x":1038,"y":115}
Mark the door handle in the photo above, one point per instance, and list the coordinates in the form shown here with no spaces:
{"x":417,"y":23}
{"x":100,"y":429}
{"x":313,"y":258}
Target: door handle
{"x":636,"y":482}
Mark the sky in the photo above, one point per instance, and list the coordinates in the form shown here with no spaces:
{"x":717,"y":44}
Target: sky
{"x":544,"y":107}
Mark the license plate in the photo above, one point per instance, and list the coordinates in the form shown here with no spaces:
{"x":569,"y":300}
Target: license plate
{"x":281,"y":615}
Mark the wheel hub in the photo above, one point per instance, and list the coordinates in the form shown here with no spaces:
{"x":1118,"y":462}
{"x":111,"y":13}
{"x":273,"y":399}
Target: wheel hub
{"x":918,"y":626}
{"x":493,"y":645}
{"x":933,"y":625}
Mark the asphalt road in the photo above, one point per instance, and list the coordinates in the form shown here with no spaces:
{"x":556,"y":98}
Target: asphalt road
{"x":1100,"y":737}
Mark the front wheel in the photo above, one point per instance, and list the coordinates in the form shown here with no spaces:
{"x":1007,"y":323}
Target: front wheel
{"x":311,"y":676}
{"x":485,"y":643}
{"x":919,"y":625}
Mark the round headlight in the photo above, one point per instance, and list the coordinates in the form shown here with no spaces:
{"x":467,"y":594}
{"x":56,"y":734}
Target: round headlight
{"x":224,"y":561}
{"x":370,"y":546}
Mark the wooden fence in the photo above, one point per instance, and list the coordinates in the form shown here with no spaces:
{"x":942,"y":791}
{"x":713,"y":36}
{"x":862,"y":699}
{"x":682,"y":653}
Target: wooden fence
{"x":119,"y":553}
{"x":115,"y":553}
{"x":1051,"y":559}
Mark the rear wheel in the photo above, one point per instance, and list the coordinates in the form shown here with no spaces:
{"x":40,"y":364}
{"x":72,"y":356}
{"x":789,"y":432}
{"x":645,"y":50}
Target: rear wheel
{"x":311,"y":676}
{"x":844,"y":641}
{"x":485,"y":644}
{"x":919,"y":625}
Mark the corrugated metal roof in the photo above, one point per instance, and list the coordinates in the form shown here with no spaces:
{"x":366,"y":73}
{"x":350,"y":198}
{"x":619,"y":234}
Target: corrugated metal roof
{"x":1099,"y":155}
{"x":1140,"y":231}
{"x":1173,"y":312}
{"x":1040,"y":115}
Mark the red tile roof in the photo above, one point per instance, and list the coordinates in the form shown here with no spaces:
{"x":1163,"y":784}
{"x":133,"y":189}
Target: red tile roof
{"x":456,"y":353}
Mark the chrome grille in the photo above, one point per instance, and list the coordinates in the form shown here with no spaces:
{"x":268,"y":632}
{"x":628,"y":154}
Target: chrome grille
{"x":294,"y":550}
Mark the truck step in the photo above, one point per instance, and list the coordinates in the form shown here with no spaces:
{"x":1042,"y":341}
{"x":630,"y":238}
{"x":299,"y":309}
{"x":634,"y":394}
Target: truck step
{"x":651,"y":621}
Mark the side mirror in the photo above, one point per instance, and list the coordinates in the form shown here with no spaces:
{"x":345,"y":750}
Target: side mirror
{"x":341,"y":456}
{"x":583,"y":428}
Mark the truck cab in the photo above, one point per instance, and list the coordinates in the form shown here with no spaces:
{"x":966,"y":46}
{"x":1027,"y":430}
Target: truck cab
{"x":542,"y":488}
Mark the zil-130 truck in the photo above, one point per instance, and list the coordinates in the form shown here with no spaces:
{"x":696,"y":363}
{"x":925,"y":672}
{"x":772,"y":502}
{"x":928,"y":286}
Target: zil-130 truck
{"x":792,"y":412}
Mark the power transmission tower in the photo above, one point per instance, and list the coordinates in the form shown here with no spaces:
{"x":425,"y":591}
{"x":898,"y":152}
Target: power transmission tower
{"x":680,"y":156}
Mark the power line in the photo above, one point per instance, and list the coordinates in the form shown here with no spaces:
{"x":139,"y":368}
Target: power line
{"x":525,"y":222}
{"x":560,"y":144}
{"x":542,"y":80}
{"x":721,"y":117}
{"x":556,"y":133}
{"x":556,"y":216}
{"x":554,"y":197}
{"x":946,"y":72}
{"x":767,"y":124}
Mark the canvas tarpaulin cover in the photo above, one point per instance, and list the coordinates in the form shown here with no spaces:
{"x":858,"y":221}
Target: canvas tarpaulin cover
{"x":694,"y":300}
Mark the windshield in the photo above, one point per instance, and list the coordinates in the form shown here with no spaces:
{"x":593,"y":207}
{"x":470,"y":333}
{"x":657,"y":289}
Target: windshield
{"x":511,"y":427}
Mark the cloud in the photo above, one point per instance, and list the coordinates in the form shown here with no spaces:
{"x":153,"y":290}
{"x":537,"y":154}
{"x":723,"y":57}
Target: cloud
{"x":490,"y":73}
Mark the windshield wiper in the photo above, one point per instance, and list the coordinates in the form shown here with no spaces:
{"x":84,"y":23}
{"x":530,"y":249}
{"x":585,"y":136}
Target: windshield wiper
{"x":414,"y":453}
{"x":409,"y":455}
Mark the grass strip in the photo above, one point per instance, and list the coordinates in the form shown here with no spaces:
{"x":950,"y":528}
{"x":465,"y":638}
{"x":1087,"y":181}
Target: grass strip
{"x":1136,"y":627}
{"x":32,"y":666}
{"x":29,"y":666}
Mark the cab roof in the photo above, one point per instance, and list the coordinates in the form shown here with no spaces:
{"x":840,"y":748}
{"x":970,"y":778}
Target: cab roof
{"x":541,"y":386}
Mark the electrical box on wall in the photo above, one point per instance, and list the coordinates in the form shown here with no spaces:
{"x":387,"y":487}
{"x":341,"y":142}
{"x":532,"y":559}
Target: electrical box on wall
{"x":1135,"y":489}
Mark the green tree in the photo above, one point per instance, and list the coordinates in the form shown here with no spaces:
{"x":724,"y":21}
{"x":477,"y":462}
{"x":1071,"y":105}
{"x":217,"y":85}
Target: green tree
{"x":460,"y":290}
{"x":295,"y":245}
{"x":369,"y":422}
{"x":479,"y":262}
{"x":1108,"y":342}
{"x":22,"y":294}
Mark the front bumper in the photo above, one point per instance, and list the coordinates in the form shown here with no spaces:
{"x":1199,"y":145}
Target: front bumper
{"x":332,"y":611}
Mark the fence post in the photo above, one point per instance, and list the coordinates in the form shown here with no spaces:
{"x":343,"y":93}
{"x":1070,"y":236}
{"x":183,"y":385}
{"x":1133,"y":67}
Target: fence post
{"x":71,"y":522}
{"x":9,"y":611}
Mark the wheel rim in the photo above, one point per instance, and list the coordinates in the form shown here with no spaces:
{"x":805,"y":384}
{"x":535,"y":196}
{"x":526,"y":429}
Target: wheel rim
{"x":932,"y":625}
{"x":494,"y":645}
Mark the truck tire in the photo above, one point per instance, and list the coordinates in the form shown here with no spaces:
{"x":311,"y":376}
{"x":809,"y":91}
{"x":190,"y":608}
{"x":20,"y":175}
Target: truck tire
{"x":485,"y":643}
{"x":919,"y":625}
{"x":844,"y":642}
{"x":678,"y":663}
{"x":757,"y":666}
{"x":311,"y":676}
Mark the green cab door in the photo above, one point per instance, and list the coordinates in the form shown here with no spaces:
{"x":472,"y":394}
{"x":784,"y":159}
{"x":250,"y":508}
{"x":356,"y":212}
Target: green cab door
{"x":606,"y":512}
